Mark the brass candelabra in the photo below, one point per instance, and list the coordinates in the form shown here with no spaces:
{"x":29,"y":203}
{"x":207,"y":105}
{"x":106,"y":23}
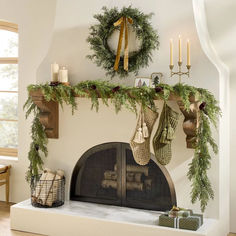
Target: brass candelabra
{"x":180,"y":72}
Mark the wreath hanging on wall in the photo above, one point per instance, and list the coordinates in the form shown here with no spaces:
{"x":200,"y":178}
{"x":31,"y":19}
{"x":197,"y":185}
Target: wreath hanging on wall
{"x":124,"y":20}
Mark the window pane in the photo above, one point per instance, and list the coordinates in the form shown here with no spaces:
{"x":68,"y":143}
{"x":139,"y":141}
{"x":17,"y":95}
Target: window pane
{"x":8,"y":134}
{"x":8,"y":106}
{"x":9,"y":44}
{"x":9,"y":77}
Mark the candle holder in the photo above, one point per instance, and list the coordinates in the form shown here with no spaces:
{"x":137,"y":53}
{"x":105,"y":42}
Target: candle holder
{"x":180,"y":72}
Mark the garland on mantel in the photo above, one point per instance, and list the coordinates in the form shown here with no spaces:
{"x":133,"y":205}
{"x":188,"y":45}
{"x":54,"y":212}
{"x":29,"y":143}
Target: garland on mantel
{"x":129,"y":97}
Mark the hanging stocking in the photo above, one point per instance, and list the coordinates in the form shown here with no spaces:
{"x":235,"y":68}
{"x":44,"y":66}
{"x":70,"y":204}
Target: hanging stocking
{"x":165,"y":134}
{"x":141,"y":151}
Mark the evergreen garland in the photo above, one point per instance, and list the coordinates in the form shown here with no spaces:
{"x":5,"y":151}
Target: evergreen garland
{"x":129,"y":97}
{"x":99,"y":34}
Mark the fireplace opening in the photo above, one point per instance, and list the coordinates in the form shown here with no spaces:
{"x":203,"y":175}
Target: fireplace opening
{"x":108,"y":174}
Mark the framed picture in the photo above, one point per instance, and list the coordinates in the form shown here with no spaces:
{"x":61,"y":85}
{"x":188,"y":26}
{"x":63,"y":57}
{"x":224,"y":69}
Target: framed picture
{"x":156,"y":78}
{"x":142,"y":82}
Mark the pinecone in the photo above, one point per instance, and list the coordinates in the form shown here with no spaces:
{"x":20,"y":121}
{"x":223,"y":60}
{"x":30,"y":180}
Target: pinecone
{"x":115,"y":89}
{"x":202,"y":106}
{"x":94,"y":87}
{"x":158,"y":89}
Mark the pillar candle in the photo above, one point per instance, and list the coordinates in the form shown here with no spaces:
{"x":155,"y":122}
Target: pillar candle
{"x":188,"y":53}
{"x":54,"y":72}
{"x":180,"y":50}
{"x":63,"y":75}
{"x":171,"y":52}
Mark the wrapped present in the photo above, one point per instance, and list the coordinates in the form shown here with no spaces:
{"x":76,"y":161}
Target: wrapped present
{"x":190,"y":223}
{"x":165,"y":220}
{"x":181,"y":218}
{"x":201,"y":217}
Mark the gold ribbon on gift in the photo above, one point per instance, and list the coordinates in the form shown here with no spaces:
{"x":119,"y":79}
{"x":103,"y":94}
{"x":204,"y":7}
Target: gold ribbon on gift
{"x":123,"y":26}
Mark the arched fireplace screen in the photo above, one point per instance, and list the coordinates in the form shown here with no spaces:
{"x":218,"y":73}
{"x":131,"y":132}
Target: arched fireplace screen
{"x":108,"y":174}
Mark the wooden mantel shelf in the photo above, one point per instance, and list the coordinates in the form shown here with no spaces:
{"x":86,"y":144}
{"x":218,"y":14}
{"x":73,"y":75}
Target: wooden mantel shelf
{"x":49,"y":116}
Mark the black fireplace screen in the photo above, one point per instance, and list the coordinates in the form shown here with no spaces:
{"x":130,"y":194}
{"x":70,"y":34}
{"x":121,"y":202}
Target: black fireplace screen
{"x":108,"y":174}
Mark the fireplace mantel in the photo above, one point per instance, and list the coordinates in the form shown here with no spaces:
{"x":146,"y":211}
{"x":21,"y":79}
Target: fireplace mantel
{"x":49,"y":115}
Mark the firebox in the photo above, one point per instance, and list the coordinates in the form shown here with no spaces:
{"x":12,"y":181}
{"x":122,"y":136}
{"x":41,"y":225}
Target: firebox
{"x":108,"y":174}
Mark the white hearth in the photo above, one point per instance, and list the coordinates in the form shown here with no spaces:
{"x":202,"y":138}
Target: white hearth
{"x":80,"y":218}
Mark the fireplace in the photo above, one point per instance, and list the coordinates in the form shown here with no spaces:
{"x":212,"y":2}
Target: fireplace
{"x":108,"y":174}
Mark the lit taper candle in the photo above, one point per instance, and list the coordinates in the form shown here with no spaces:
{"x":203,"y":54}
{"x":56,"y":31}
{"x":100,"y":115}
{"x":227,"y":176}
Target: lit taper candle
{"x":171,"y":52}
{"x":188,"y":53}
{"x":180,"y":50}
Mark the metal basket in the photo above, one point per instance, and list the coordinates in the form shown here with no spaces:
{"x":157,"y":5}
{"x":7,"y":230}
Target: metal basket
{"x":47,"y":193}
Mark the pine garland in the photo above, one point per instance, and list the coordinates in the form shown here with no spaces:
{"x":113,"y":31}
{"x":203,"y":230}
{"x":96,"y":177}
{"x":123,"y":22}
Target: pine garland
{"x":99,"y":34}
{"x":129,"y":97}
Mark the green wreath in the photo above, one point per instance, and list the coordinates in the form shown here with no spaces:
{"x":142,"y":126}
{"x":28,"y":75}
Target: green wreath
{"x":99,"y":34}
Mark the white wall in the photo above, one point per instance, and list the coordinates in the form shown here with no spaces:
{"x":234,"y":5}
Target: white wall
{"x":86,"y":128}
{"x":35,"y":20}
{"x":222,"y":28}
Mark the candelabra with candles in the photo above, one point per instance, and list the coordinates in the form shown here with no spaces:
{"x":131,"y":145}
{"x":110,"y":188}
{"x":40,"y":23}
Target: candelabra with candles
{"x":179,"y":72}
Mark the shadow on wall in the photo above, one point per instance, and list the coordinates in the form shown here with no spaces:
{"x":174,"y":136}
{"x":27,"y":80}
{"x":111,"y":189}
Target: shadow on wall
{"x":69,"y":48}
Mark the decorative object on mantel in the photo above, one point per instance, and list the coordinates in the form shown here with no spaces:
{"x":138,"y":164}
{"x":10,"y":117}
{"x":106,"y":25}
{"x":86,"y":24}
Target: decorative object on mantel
{"x":165,"y":134}
{"x":140,"y":142}
{"x":180,"y":72}
{"x":142,"y":82}
{"x":156,"y":78}
{"x":63,"y":75}
{"x":54,"y":72}
{"x":48,"y":189}
{"x":110,"y":21}
{"x":198,"y":105}
{"x":58,"y":75}
{"x":181,"y":218}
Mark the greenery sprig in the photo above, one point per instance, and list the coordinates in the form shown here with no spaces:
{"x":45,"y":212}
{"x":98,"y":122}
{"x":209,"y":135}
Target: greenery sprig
{"x":129,"y":97}
{"x":104,"y":57}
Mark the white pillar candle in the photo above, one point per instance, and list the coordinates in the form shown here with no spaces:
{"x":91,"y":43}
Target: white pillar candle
{"x":54,"y":72}
{"x":63,"y":75}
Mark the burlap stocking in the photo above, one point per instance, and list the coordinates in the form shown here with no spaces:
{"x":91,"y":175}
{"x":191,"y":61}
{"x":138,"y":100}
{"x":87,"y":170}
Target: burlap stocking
{"x":165,"y":134}
{"x":141,"y":151}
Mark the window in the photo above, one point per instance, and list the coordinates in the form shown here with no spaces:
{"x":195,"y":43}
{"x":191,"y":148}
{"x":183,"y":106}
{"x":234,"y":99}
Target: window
{"x":8,"y":89}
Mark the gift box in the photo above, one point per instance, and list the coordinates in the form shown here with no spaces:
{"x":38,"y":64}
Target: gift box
{"x":165,"y":220}
{"x":190,"y":223}
{"x":182,"y":219}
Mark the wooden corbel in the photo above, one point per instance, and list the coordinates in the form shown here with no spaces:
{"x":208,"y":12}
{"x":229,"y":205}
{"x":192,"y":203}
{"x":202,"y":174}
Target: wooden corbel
{"x":191,"y":122}
{"x":49,"y":113}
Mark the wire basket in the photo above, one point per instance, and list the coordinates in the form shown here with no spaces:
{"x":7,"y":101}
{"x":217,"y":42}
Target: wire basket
{"x":47,"y":193}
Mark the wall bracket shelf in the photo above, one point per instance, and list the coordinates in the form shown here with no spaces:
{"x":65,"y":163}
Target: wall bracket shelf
{"x":49,"y":116}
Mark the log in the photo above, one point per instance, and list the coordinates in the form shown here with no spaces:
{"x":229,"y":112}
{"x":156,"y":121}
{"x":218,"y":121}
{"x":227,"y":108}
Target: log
{"x":138,"y":177}
{"x":129,"y":176}
{"x":134,"y":186}
{"x":148,"y":184}
{"x":129,"y":185}
{"x":134,"y":168}
{"x":109,"y":184}
{"x":110,"y":175}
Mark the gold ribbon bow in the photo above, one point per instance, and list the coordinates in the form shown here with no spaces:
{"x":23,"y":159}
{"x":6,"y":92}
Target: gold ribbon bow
{"x":123,"y":25}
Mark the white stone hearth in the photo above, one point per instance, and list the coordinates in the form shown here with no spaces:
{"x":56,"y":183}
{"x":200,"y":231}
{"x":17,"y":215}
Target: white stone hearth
{"x":90,"y":219}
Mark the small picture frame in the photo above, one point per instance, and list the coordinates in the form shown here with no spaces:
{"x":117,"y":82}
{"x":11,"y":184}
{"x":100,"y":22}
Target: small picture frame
{"x":156,"y":78}
{"x":142,"y":82}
